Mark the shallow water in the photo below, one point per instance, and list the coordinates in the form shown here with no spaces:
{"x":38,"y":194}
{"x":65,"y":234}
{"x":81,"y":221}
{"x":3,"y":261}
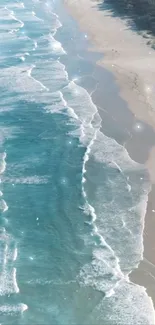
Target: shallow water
{"x":72,"y":201}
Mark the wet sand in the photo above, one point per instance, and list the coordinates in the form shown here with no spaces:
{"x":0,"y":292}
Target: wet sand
{"x":125,"y":53}
{"x":132,"y":62}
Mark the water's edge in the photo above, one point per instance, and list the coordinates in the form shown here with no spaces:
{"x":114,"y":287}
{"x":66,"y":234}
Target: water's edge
{"x":134,"y":273}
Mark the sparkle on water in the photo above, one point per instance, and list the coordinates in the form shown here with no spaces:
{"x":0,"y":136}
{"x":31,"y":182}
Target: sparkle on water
{"x":64,"y":181}
{"x":76,"y":79}
{"x":148,"y":89}
{"x":138,"y":127}
{"x":22,"y":32}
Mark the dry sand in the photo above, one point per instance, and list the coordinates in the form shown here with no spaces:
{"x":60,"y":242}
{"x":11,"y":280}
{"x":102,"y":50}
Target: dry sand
{"x":132,"y":61}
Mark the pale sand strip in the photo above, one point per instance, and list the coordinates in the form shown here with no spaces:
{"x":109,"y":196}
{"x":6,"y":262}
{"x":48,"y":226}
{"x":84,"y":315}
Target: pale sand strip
{"x":132,"y":61}
{"x":126,"y":54}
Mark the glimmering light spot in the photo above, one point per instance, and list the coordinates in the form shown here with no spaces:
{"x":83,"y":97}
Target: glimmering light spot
{"x":138,"y":127}
{"x":76,"y":79}
{"x":64,"y":181}
{"x":148,"y":89}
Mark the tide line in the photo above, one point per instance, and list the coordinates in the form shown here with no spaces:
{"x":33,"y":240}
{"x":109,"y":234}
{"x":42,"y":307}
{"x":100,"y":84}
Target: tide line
{"x":12,"y":15}
{"x":3,"y":205}
{"x":37,"y":81}
{"x":16,"y":288}
{"x":2,"y":162}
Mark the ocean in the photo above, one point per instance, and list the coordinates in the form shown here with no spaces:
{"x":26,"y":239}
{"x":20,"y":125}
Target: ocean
{"x":72,"y":201}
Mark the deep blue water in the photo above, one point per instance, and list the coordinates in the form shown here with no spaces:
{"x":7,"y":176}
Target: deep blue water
{"x":72,"y":201}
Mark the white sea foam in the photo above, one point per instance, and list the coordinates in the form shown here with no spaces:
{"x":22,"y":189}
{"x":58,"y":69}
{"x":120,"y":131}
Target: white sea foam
{"x":22,"y":58}
{"x":12,"y":16}
{"x":2,"y":162}
{"x":54,"y":14}
{"x":15,"y":254}
{"x":7,"y":243}
{"x":104,"y":273}
{"x":52,"y":75}
{"x":113,"y":154}
{"x":56,"y":46}
{"x":8,"y":282}
{"x":19,"y":79}
{"x":14,"y":30}
{"x":57,"y":25}
{"x":3,"y":205}
{"x":26,"y":180}
{"x":37,"y":81}
{"x":11,"y":309}
{"x":5,"y":254}
{"x":98,"y":264}
{"x":79,"y":100}
{"x":134,"y":307}
{"x":71,"y":112}
{"x":16,"y":288}
{"x":35,"y":45}
{"x":56,"y":106}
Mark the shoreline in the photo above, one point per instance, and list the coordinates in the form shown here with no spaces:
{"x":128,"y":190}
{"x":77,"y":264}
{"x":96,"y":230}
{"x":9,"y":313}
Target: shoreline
{"x":127,"y":56}
{"x":132,"y":67}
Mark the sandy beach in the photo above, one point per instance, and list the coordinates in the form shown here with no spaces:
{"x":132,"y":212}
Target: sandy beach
{"x":132,"y":61}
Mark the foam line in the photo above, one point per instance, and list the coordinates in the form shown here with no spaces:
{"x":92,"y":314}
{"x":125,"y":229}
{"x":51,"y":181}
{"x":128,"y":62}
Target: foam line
{"x":15,"y":281}
{"x":2,"y":162}
{"x":70,"y":109}
{"x":35,"y":45}
{"x":9,"y":309}
{"x":15,"y":254}
{"x":3,"y":205}
{"x":29,"y":72}
{"x":5,"y":254}
{"x":12,"y":15}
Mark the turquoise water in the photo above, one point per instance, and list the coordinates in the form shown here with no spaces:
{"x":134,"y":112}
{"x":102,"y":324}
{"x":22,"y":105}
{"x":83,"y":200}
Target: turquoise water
{"x":72,"y":201}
